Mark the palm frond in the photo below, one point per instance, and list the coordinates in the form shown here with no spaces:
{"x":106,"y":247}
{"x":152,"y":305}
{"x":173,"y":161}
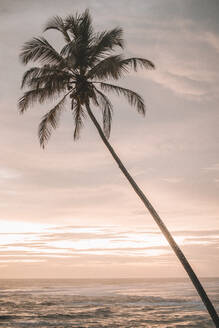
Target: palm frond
{"x":135,"y":62}
{"x":115,"y":66}
{"x":133,"y":98}
{"x":107,"y":109}
{"x":56,"y":82}
{"x":29,"y":75}
{"x":57,"y":23}
{"x":78,"y":50}
{"x":70,"y":53}
{"x":80,"y":26}
{"x":39,"y":76}
{"x":79,"y":114}
{"x":85,"y":27}
{"x":105,"y":42}
{"x":68,"y":49}
{"x":94,"y":98}
{"x":71,"y":24}
{"x":40,"y":49}
{"x":34,"y":95}
{"x":50,"y":121}
{"x":107,"y":68}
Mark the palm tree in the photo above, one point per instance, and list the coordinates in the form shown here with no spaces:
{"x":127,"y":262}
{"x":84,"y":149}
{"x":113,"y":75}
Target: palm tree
{"x":80,"y":72}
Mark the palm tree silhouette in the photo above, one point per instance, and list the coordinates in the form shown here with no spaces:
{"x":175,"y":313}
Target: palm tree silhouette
{"x":80,"y":72}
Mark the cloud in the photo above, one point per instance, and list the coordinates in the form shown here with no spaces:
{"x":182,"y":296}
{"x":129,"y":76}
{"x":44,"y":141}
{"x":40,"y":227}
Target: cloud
{"x":213,"y":167}
{"x":8,"y":174}
{"x":104,"y":244}
{"x":173,"y":180}
{"x":213,"y":40}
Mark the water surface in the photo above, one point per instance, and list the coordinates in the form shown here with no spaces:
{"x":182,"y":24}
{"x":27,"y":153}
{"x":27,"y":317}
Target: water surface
{"x":150,"y":303}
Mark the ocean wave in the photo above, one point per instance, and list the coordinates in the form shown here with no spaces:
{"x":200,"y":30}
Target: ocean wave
{"x":6,"y":317}
{"x":117,"y":307}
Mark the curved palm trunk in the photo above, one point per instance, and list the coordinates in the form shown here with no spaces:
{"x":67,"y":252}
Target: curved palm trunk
{"x":161,"y":225}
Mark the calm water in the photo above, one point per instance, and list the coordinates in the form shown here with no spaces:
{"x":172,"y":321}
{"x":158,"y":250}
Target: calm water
{"x":104,"y":303}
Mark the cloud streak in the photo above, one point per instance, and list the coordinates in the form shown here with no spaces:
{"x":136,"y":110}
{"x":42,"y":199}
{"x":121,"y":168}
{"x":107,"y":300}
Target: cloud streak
{"x":102,"y":245}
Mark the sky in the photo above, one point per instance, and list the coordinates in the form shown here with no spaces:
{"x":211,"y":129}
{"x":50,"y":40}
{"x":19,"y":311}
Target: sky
{"x":67,"y":211}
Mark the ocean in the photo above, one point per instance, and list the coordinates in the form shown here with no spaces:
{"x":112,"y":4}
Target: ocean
{"x":148,"y":303}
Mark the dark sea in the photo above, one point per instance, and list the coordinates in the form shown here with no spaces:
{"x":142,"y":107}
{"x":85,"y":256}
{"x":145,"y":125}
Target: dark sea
{"x":104,"y":303}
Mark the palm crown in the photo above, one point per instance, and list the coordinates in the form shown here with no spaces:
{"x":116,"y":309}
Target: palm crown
{"x":79,"y":71}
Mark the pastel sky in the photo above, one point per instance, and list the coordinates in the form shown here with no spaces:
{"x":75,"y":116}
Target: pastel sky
{"x":67,"y":211}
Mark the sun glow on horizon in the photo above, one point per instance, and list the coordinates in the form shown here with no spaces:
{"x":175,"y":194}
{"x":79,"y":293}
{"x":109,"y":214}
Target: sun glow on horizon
{"x":16,"y":227}
{"x":35,"y":242}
